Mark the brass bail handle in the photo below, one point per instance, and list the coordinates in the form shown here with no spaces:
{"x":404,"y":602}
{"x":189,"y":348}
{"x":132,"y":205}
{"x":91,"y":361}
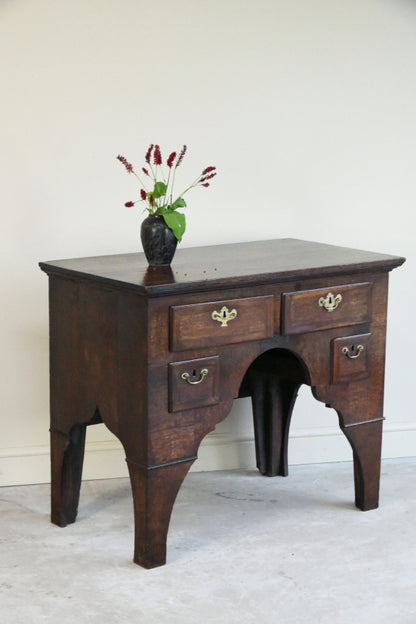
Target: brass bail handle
{"x":202,"y":375}
{"x":224,"y":316}
{"x":350,"y":354}
{"x":330,"y":302}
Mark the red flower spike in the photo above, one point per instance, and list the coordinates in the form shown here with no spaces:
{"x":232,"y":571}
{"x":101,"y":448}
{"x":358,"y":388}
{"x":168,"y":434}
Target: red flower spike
{"x":129,"y":204}
{"x":148,"y":154}
{"x":157,"y":156}
{"x":208,"y":177}
{"x":151,"y":200}
{"x":145,"y":171}
{"x":171,"y":159}
{"x":208,"y":170}
{"x":125,"y":162}
{"x":206,"y":184}
{"x":143,"y":194}
{"x":181,"y":155}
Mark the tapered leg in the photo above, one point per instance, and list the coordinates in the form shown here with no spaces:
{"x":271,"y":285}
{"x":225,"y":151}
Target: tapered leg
{"x":154,"y":493}
{"x":365,"y":440}
{"x":273,"y":400}
{"x":67,"y":456}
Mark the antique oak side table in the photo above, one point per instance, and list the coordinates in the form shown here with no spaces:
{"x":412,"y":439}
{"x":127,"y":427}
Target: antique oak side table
{"x":158,"y":355}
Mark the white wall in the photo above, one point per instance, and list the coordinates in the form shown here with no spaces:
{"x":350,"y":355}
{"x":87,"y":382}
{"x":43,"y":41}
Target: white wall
{"x":307,"y":108}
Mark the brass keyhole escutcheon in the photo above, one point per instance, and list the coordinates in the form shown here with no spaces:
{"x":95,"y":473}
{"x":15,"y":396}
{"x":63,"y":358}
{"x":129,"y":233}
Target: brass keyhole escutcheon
{"x":187,"y":377}
{"x":330,"y":302}
{"x":354,"y":353}
{"x":224,"y":316}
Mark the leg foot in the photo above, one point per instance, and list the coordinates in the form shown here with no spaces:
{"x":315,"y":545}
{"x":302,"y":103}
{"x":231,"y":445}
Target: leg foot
{"x":154,"y":493}
{"x":67,"y":456}
{"x":365,"y":440}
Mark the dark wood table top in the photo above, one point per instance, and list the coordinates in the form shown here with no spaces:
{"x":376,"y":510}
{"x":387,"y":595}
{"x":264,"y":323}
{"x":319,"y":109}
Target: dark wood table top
{"x":222,"y":266}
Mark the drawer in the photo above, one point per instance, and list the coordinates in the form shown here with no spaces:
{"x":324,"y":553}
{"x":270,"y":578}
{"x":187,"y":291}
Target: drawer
{"x":349,"y":358}
{"x":221,"y":322}
{"x":323,"y":308}
{"x":194,"y":383}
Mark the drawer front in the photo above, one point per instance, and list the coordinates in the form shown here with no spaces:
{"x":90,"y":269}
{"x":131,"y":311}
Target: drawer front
{"x":221,"y":322}
{"x":323,"y":308}
{"x":349,"y":357}
{"x":194,"y":383}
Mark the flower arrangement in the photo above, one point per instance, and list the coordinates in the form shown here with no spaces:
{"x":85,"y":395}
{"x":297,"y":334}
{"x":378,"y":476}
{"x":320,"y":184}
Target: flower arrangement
{"x":157,"y":192}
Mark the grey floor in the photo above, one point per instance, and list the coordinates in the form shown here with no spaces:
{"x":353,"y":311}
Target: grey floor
{"x":242,"y":548}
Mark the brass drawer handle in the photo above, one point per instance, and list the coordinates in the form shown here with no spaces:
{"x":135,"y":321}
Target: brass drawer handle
{"x":330,"y":302}
{"x":224,"y":316}
{"x":202,"y":375}
{"x":359,"y":348}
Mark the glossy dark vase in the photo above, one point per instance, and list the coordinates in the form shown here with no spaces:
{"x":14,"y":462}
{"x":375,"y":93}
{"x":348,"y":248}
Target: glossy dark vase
{"x":158,"y":240}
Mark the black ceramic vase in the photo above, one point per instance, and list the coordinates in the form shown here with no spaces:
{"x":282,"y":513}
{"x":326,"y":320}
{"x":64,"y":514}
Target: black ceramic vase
{"x":158,"y":240}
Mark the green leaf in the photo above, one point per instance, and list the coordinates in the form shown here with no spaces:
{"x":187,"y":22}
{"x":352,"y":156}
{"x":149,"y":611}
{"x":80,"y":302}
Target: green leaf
{"x":177,"y":223}
{"x":159,"y":190}
{"x":178,"y":203}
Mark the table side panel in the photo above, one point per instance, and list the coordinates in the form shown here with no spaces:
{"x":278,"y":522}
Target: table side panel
{"x":98,"y":346}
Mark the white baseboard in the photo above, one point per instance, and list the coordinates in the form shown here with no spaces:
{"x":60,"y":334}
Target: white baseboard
{"x":219,"y":451}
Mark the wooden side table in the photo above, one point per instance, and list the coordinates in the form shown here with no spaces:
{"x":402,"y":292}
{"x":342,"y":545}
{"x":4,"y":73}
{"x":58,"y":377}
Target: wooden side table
{"x":158,"y":355}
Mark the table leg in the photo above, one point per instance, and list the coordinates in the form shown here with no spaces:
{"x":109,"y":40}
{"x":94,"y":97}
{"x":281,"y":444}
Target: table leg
{"x":67,"y":456}
{"x":154,"y":492}
{"x":365,"y":440}
{"x":273,"y":400}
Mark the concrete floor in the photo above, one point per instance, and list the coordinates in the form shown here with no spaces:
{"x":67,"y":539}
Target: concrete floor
{"x":242,"y":549}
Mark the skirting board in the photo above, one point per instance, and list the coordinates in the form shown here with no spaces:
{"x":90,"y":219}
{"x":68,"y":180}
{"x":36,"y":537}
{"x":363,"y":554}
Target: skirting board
{"x":219,"y":451}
